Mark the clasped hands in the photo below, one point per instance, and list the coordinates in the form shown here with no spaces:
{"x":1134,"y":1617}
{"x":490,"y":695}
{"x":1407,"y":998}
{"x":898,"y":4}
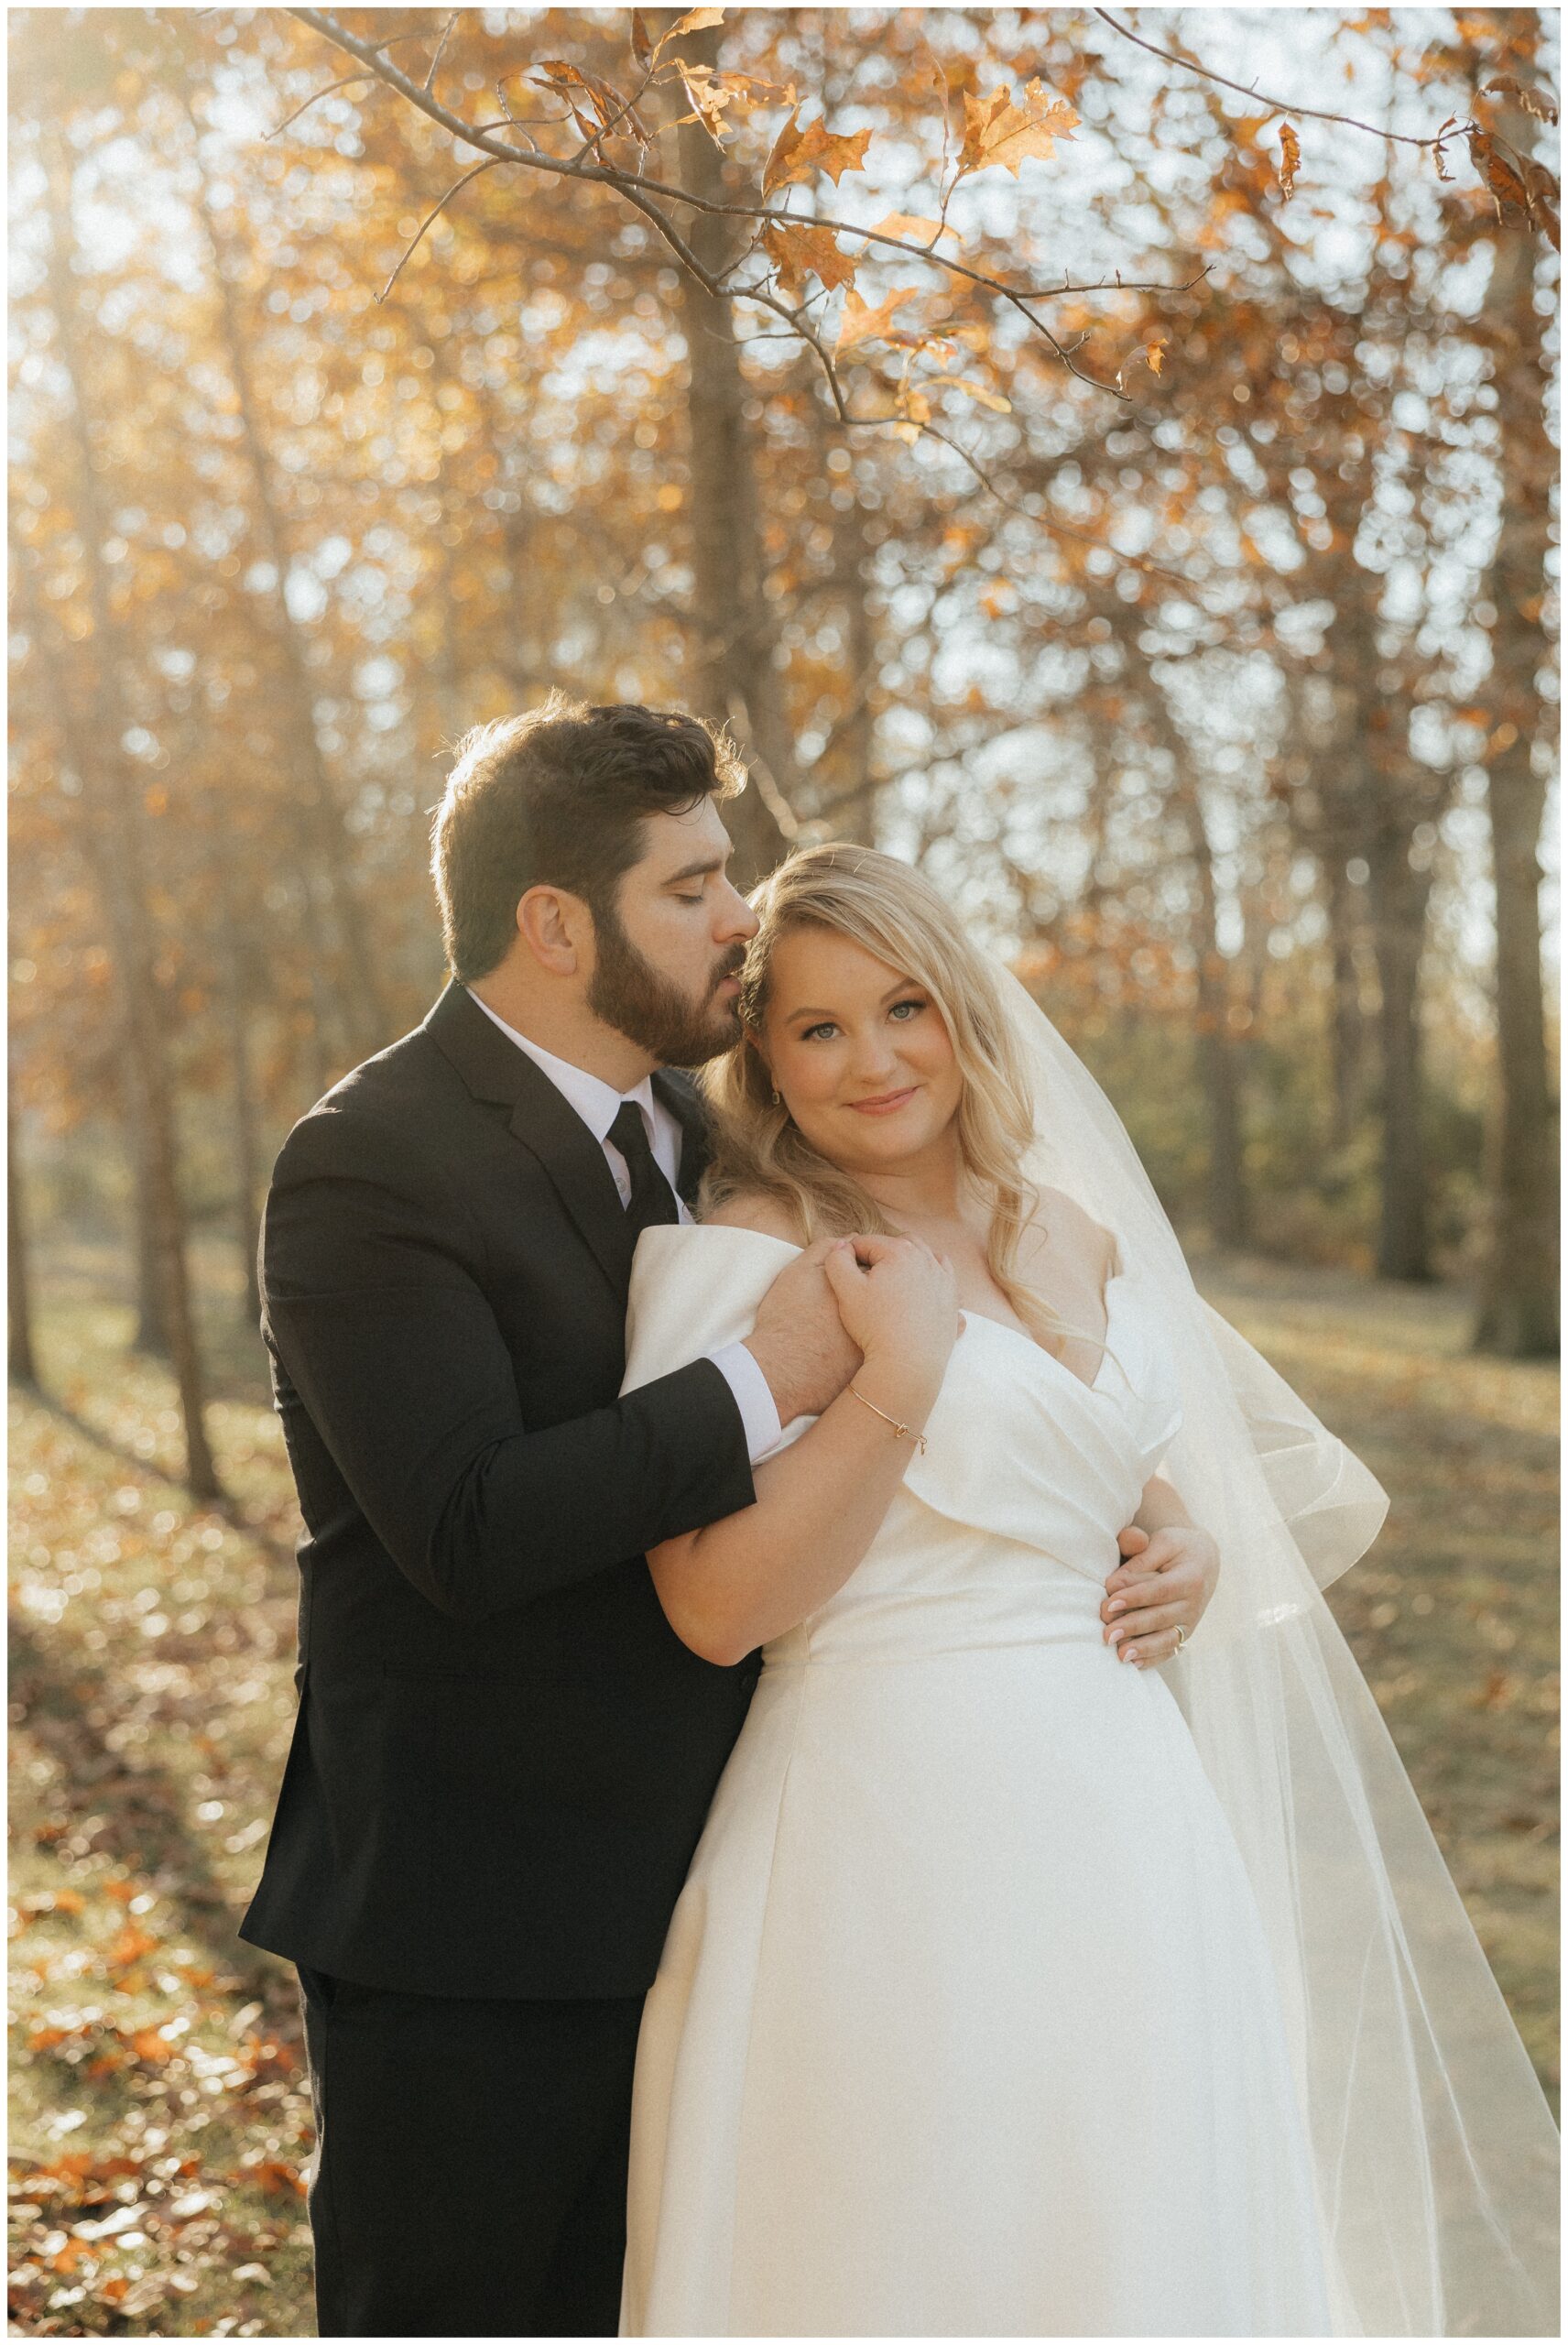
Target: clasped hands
{"x":1162,"y":1584}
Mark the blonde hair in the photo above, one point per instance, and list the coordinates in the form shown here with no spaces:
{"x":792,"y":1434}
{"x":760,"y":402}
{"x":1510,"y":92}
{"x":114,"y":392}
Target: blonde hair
{"x":895,"y":913}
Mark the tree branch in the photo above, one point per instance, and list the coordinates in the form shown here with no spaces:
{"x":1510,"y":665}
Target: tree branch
{"x":1275,"y":106}
{"x":642,"y":192}
{"x":456,"y":187}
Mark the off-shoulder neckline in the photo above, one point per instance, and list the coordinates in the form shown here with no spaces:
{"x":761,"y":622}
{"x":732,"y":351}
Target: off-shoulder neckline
{"x":661,"y":1232}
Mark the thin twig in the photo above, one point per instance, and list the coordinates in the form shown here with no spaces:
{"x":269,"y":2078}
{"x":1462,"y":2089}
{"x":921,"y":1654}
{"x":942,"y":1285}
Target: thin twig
{"x":1274,"y":105}
{"x":348,"y":78}
{"x":441,"y":44}
{"x":487,"y":165}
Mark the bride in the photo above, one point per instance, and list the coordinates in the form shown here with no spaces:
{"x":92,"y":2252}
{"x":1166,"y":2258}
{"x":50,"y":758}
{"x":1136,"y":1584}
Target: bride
{"x":1018,"y":1988}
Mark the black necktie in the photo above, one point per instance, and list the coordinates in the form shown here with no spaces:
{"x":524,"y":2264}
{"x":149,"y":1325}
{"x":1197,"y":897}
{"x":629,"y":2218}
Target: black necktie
{"x":652,"y":1199}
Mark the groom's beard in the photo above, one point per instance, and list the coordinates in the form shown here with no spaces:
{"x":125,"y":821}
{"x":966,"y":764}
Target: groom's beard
{"x":628,"y":992}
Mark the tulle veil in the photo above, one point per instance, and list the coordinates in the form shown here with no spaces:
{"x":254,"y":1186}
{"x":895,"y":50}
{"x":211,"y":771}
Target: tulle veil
{"x":1436,"y":2152}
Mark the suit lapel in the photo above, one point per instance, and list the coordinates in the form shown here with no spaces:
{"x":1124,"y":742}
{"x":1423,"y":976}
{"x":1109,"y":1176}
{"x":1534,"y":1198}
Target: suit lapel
{"x":495,"y":1070}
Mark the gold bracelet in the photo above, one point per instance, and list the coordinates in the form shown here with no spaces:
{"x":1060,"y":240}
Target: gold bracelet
{"x":903,"y":1432}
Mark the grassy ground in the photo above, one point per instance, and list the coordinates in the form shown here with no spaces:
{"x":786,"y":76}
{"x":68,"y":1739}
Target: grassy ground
{"x":159,"y":2114}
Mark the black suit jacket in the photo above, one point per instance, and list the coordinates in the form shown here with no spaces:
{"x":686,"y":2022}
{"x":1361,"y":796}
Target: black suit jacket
{"x":503,"y":1754}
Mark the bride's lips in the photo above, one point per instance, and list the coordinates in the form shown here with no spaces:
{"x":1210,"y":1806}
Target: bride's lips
{"x":887,"y":1104}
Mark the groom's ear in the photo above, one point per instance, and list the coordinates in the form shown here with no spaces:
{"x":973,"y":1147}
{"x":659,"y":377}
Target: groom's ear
{"x":557,"y":928}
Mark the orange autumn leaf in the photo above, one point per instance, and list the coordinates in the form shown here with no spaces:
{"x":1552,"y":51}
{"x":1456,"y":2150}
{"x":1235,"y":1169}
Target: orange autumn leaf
{"x":1534,"y":102}
{"x":148,"y":2044}
{"x":794,"y":252}
{"x":798,"y":153}
{"x":707,"y":101}
{"x":695,"y":21}
{"x":1290,"y":160}
{"x":996,"y":131}
{"x":913,"y":229}
{"x":860,"y":323}
{"x":1149,"y":352}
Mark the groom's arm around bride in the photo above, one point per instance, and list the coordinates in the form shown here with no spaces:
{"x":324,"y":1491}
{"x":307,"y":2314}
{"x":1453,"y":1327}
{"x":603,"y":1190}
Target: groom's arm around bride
{"x":504,"y":1755}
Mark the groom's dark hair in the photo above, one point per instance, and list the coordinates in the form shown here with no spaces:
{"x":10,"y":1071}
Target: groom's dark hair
{"x":556,"y":798}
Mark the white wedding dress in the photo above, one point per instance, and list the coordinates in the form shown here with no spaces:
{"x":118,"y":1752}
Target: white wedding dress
{"x":966,"y":2023}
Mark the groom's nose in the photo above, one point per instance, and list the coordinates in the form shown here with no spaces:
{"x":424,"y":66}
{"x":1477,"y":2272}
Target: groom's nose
{"x":734,"y":922}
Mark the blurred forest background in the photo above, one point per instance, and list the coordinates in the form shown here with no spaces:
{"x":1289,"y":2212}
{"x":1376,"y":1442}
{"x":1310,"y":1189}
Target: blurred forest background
{"x":1062,"y":453}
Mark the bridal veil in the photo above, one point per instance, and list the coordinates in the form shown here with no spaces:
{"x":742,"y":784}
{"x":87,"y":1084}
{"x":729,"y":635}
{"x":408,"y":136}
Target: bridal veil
{"x":1434,"y":2148}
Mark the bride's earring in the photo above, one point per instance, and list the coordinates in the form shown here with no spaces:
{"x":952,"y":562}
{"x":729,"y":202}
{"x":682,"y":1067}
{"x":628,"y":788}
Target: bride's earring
{"x":778,"y":1101}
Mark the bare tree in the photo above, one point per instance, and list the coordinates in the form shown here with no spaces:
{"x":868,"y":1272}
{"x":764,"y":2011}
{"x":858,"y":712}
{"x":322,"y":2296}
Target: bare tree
{"x":1518,"y":1314}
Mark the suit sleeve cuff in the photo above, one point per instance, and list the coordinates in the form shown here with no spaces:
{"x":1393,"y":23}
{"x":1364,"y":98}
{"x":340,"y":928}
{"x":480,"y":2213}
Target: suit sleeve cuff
{"x":752,"y":1398}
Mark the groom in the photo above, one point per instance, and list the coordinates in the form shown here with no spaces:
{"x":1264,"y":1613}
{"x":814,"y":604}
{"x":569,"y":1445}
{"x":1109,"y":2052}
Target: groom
{"x":504,"y":1755}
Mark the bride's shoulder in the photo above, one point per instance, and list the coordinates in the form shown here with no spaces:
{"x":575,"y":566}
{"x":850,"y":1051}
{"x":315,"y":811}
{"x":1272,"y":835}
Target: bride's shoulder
{"x":754,"y":1209}
{"x":1057,"y":1217}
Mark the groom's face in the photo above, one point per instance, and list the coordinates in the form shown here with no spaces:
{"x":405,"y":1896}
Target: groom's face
{"x":667,"y":950}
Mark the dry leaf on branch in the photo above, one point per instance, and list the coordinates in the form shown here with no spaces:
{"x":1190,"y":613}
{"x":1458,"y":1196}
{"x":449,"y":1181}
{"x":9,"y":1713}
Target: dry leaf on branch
{"x":1534,"y":102}
{"x":981,"y":395}
{"x":798,"y":153}
{"x":1290,"y":160}
{"x":695,"y":21}
{"x":555,"y":74}
{"x":915,"y":408}
{"x":708,"y":94}
{"x":1504,"y":182}
{"x":914,"y":230}
{"x":1150,"y":352}
{"x":860,"y":323}
{"x":996,"y":131}
{"x":794,"y":252}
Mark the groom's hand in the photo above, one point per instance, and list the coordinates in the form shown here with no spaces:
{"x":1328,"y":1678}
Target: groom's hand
{"x":1163,"y":1582}
{"x":799,"y":1340}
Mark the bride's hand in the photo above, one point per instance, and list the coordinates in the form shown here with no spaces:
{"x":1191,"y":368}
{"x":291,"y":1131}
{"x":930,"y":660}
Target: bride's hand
{"x":1163,"y":1584}
{"x":898,"y":1301}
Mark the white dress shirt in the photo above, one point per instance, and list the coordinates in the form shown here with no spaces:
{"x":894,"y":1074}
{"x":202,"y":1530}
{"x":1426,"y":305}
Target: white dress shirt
{"x":598,"y":1104}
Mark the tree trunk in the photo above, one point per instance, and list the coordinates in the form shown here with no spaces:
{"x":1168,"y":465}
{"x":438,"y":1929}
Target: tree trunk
{"x":1228,"y":1213}
{"x":1398,"y":921}
{"x":112,"y":839}
{"x":1346,"y":1028}
{"x":1228,"y":1204}
{"x":1377,"y":798}
{"x":735,"y":637}
{"x":247,"y":1157}
{"x":1519,"y":1312}
{"x":22,"y":1358}
{"x":151,"y":1336}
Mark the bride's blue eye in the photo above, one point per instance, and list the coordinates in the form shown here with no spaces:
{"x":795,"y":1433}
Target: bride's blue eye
{"x":913,"y":1006}
{"x":825,"y":1027}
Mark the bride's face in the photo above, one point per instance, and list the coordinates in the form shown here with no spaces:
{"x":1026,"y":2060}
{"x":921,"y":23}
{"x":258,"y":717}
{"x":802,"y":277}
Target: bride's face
{"x":859,"y":1053}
